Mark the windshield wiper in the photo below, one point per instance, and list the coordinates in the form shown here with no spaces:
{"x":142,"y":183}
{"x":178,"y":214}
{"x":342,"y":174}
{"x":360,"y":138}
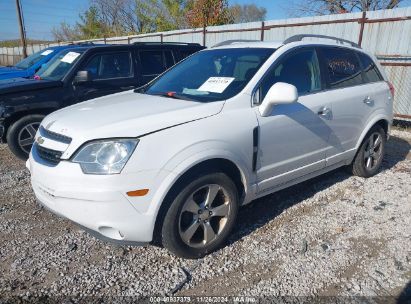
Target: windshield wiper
{"x":173,"y":95}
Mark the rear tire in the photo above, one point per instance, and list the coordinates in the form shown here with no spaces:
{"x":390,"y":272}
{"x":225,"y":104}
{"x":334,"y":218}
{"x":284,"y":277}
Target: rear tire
{"x":21,"y":134}
{"x":201,"y":216}
{"x":369,"y":157}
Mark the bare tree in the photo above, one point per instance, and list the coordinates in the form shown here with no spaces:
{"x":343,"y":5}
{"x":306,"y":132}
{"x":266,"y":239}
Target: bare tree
{"x":118,"y":15}
{"x":247,"y":13}
{"x":141,"y":16}
{"x":324,"y":7}
{"x":65,"y":32}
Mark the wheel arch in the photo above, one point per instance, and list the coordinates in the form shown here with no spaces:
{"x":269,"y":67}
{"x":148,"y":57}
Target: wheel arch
{"x":381,"y":120}
{"x":8,"y":121}
{"x":215,"y":164}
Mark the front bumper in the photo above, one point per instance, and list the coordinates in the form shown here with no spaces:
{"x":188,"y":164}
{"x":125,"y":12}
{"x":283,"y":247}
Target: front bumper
{"x":99,"y":203}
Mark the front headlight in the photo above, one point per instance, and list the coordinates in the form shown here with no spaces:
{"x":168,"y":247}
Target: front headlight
{"x":105,"y":156}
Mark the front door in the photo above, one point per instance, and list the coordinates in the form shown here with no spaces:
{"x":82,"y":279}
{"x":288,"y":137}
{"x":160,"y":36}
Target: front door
{"x":293,"y":140}
{"x":110,"y":73}
{"x":153,"y":62}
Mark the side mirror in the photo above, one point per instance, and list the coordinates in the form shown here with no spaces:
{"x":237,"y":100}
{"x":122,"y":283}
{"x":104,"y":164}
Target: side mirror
{"x":279,"y":93}
{"x":82,"y":77}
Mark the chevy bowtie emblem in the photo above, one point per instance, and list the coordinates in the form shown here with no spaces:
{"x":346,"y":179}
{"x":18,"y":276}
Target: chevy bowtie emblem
{"x":40,"y":140}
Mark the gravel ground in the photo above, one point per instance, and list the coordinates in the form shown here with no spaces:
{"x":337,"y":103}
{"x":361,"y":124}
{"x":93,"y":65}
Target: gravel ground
{"x":337,"y":236}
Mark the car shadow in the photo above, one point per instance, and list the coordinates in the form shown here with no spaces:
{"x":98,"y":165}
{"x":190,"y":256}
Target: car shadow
{"x":397,"y":149}
{"x":263,"y":210}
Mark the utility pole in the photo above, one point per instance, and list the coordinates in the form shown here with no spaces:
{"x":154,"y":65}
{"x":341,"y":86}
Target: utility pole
{"x":22,"y":29}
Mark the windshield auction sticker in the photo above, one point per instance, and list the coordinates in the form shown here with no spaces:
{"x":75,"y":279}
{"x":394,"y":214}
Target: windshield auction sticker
{"x":70,"y":57}
{"x":216,"y":84}
{"x":46,"y":52}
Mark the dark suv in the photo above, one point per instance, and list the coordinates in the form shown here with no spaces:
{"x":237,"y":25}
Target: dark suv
{"x":75,"y":75}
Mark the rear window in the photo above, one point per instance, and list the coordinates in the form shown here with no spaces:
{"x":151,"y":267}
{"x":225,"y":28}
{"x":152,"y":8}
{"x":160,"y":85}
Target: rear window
{"x":342,"y":67}
{"x":371,"y":73}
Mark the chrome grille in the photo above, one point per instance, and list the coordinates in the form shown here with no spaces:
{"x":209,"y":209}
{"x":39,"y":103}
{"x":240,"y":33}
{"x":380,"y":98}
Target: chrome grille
{"x":49,"y":155}
{"x":54,"y":136}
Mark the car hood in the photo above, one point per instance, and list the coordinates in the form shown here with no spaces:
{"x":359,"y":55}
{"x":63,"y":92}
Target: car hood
{"x":125,"y":114}
{"x":7,"y":69}
{"x":17,"y":85}
{"x":11,"y":72}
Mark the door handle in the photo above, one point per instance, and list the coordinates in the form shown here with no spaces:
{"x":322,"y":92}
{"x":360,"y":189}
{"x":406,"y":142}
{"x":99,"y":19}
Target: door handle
{"x":368,"y":100}
{"x":127,"y":88}
{"x":324,"y":112}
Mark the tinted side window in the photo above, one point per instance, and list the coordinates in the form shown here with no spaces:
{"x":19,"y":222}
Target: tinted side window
{"x":185,"y":53}
{"x":151,"y":62}
{"x":300,"y":69}
{"x":93,"y":65}
{"x":108,"y":66}
{"x":342,"y":66}
{"x":371,"y":72}
{"x":168,"y":56}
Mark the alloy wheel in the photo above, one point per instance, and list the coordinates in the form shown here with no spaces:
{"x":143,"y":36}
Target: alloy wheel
{"x":26,"y":136}
{"x":373,"y":151}
{"x":204,"y":215}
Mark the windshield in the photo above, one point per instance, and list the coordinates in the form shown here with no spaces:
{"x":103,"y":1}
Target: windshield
{"x":211,"y":75}
{"x":57,"y":67}
{"x":33,"y":59}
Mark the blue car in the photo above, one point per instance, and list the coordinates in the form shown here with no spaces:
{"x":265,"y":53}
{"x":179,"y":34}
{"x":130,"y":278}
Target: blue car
{"x":30,"y":65}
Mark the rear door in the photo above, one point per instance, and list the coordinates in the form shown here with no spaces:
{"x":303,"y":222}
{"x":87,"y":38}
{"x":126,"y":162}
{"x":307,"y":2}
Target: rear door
{"x":377,"y":89}
{"x":169,"y":58}
{"x":152,"y":62}
{"x":185,"y":52}
{"x":111,"y":72}
{"x":352,"y":100}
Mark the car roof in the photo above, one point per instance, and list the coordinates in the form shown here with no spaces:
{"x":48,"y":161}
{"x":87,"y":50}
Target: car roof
{"x":296,"y":40}
{"x":128,"y":46}
{"x":249,"y":44}
{"x":277,"y":44}
{"x":70,"y":46}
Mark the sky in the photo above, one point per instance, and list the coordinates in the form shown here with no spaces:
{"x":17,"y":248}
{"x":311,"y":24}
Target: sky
{"x":40,"y":16}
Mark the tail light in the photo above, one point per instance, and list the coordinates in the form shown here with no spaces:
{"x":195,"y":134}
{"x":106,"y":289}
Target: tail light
{"x":392,"y":90}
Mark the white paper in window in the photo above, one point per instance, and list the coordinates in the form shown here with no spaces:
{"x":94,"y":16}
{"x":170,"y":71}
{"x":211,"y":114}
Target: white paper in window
{"x":46,"y":52}
{"x":216,"y":84}
{"x":70,"y":57}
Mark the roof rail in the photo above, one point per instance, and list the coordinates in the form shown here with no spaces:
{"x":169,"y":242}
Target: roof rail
{"x":82,"y":43}
{"x":165,"y":43}
{"x":302,"y":36}
{"x":228,"y":42}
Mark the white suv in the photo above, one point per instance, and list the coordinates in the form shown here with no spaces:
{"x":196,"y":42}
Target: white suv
{"x":172,"y":162}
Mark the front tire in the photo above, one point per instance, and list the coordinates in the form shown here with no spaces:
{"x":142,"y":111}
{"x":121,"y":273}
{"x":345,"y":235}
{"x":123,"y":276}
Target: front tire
{"x":21,"y":134}
{"x":201,"y":216}
{"x":369,"y":157}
